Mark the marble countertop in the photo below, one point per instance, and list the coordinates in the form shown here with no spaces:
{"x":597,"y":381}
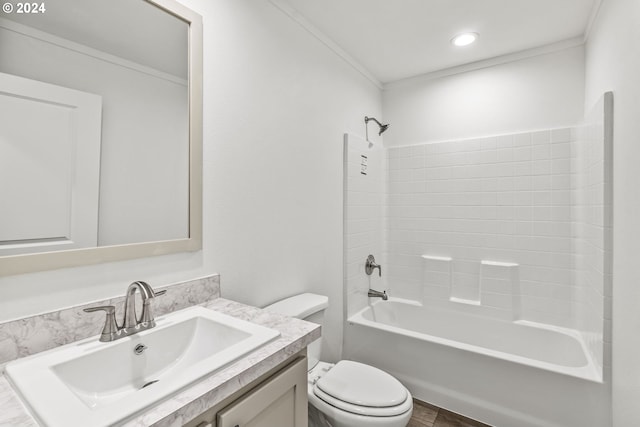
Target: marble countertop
{"x":176,"y":411}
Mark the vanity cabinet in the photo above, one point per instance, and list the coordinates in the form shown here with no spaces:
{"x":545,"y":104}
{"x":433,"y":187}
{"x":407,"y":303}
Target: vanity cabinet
{"x":279,"y":398}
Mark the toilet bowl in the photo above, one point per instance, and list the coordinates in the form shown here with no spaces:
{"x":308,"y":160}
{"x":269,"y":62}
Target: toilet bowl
{"x":348,"y":393}
{"x":352,"y":394}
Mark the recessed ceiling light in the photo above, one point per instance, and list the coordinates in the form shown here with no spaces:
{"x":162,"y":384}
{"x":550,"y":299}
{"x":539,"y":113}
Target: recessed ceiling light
{"x":464,"y":39}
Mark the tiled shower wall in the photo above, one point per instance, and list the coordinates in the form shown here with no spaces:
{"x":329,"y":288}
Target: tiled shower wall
{"x":364,"y":173}
{"x":484,"y":211}
{"x":592,"y":214}
{"x":516,"y":227}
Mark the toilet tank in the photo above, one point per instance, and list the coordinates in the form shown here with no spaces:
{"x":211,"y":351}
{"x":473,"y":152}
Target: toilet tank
{"x":309,"y":307}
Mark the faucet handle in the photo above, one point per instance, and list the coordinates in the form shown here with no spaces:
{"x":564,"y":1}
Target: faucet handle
{"x":108,"y":308}
{"x":147,"y":309}
{"x":110,"y":327}
{"x":371,"y":265}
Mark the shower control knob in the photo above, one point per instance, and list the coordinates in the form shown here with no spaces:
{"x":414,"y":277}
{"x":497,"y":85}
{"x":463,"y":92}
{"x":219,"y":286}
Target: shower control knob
{"x":371,"y":265}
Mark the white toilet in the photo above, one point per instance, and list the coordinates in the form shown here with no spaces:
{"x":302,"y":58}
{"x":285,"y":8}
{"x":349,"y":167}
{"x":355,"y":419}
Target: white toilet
{"x":349,"y":394}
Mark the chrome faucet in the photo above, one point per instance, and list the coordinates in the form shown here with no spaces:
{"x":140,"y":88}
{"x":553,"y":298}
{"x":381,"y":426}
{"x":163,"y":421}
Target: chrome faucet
{"x":147,"y":294}
{"x":371,"y":265}
{"x":378,"y":294}
{"x":131,"y":324}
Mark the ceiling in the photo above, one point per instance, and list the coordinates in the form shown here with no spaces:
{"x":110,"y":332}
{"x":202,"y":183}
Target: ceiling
{"x":396,"y":39}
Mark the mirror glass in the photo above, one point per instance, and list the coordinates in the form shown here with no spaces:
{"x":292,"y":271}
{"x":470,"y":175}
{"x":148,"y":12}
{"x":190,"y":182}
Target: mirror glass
{"x":95,"y":145}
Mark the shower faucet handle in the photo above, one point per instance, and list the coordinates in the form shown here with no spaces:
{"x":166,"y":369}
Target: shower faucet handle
{"x":371,"y":265}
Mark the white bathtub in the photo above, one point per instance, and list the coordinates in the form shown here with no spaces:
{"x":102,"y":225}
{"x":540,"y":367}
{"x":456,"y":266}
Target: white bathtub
{"x":507,"y":374}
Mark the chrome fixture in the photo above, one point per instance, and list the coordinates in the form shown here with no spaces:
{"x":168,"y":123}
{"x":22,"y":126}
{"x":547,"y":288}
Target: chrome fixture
{"x":131,"y":324}
{"x":378,"y":294}
{"x":382,"y":127}
{"x":147,"y":294}
{"x":371,"y":265}
{"x":139,"y":349}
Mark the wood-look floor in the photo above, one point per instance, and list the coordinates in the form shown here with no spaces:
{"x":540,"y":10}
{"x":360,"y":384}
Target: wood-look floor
{"x":426,"y":415}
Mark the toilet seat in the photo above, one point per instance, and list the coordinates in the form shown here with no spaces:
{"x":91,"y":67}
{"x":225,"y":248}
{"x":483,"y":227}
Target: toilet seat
{"x":362,"y":389}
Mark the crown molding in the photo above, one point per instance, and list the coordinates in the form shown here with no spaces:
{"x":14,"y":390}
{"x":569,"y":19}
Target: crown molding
{"x":295,"y":16}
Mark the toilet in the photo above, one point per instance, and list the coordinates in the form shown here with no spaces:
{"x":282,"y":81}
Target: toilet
{"x":348,"y":393}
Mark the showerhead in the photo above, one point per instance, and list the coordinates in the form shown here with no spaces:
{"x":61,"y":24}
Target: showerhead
{"x":382,"y":127}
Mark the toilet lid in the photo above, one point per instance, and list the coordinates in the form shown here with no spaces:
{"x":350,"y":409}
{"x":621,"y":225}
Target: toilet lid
{"x":368,"y":411}
{"x":360,"y":388}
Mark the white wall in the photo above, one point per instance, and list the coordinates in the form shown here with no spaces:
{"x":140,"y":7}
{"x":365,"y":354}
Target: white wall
{"x":276,"y":105}
{"x":613,"y":63}
{"x":540,"y":92}
{"x":282,"y":104}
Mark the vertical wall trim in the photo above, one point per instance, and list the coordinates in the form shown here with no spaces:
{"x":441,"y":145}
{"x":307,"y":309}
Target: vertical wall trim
{"x":595,"y":10}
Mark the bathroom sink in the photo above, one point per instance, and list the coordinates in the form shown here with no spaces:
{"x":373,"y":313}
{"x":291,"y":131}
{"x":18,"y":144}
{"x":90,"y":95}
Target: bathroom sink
{"x":91,"y":383}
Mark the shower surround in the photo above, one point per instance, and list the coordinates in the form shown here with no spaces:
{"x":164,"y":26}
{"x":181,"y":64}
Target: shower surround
{"x":513,"y":229}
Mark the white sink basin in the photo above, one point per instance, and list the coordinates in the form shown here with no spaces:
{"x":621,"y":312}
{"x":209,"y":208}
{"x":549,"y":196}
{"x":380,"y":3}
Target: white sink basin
{"x":90,"y":383}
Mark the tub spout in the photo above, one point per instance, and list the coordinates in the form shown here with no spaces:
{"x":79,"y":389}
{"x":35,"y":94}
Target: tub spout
{"x":378,"y":294}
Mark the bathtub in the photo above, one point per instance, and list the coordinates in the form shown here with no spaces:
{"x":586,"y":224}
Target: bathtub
{"x":506,"y":374}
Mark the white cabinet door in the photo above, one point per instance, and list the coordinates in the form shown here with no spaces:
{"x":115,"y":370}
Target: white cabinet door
{"x":281,"y":401}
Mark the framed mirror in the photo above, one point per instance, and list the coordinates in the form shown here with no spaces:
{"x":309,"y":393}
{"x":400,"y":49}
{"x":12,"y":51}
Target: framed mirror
{"x":100,"y":133}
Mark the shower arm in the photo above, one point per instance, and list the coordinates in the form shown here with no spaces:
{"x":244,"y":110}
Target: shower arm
{"x":380,"y":125}
{"x":367,"y":119}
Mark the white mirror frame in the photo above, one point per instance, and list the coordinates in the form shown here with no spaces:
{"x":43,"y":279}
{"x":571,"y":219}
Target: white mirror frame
{"x":28,"y":263}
